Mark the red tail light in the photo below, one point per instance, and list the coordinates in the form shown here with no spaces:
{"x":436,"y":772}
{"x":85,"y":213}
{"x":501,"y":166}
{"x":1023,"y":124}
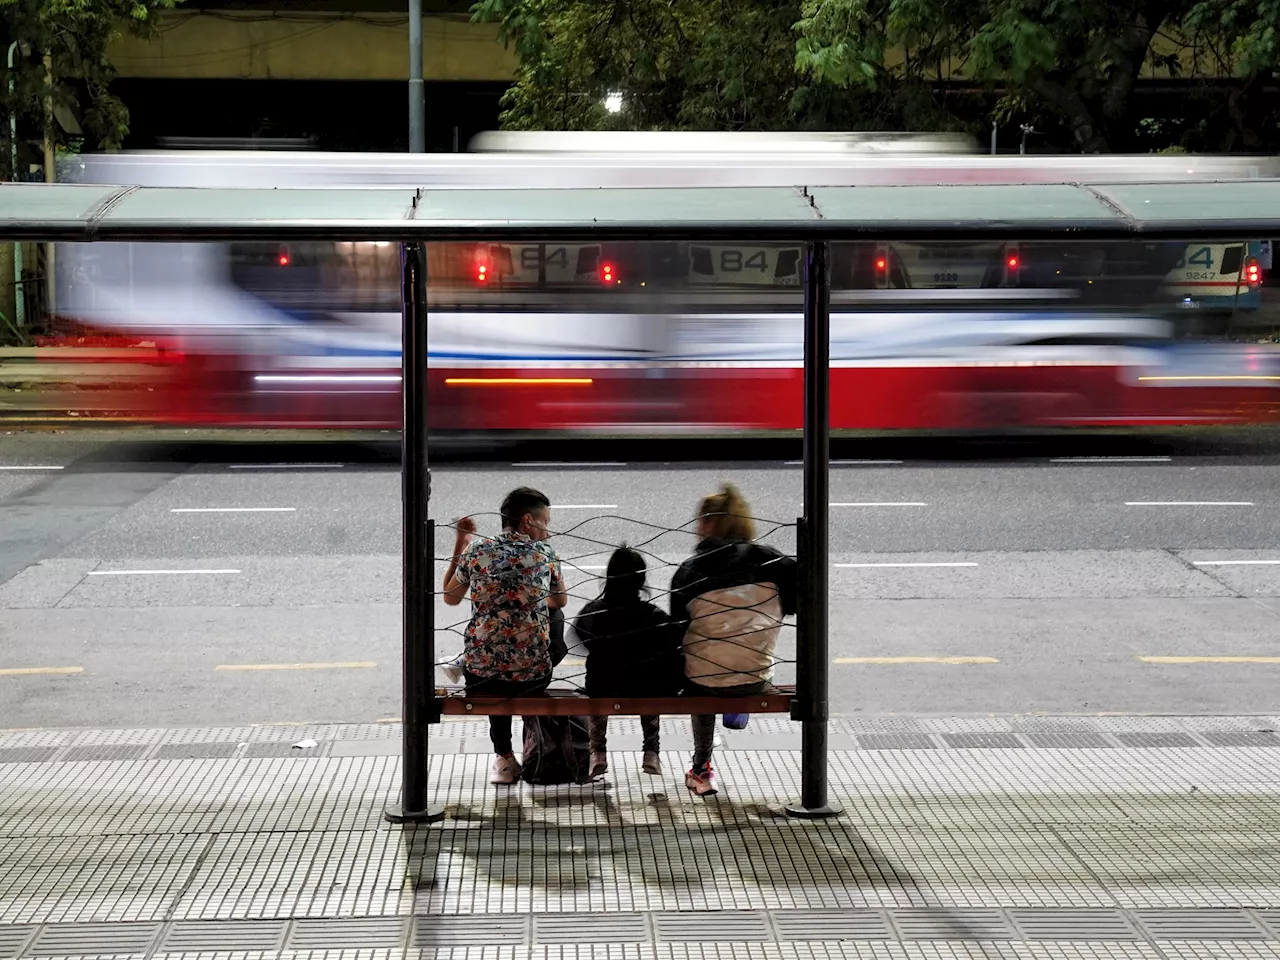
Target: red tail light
{"x":882,"y":264}
{"x":607,"y":273}
{"x":1012,"y":262}
{"x":283,"y":259}
{"x":482,"y":273}
{"x":1253,"y":273}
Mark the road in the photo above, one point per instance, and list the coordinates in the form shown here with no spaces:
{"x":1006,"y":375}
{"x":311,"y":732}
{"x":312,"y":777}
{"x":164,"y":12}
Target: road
{"x":148,"y":581}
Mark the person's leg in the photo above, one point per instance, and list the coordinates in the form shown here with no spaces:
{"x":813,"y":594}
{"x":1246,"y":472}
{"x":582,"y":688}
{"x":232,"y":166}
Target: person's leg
{"x":704,"y":735}
{"x":649,"y":726}
{"x":599,"y":730}
{"x":598,"y":765}
{"x":506,"y":769}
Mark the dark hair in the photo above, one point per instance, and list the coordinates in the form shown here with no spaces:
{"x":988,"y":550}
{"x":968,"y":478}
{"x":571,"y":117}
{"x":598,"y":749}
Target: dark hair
{"x":520,"y":501}
{"x":624,"y":577}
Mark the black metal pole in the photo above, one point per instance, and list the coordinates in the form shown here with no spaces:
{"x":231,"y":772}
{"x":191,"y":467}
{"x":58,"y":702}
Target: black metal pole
{"x":420,"y":709}
{"x":811,"y":546}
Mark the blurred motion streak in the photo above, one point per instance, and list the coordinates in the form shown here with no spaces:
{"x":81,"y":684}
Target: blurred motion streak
{"x":664,"y":337}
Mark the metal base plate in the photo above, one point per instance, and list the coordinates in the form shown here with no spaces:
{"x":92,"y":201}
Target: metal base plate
{"x":396,"y":813}
{"x":799,"y":811}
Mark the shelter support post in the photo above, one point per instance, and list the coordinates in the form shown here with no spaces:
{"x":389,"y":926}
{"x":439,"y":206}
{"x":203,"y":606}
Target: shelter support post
{"x":420,"y":708}
{"x":811,"y":703}
{"x":417,"y":89}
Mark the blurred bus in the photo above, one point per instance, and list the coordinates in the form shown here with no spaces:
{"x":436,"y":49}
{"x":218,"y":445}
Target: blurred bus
{"x":662,"y":337}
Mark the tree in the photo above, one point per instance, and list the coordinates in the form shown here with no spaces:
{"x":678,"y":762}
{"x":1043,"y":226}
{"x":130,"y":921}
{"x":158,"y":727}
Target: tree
{"x":62,"y":60}
{"x":676,"y":64}
{"x":1069,"y":65}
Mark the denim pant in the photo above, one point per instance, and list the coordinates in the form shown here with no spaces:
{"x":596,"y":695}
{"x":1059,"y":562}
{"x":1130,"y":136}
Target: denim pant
{"x":704,"y":724}
{"x":599,"y":727}
{"x":500,"y":727}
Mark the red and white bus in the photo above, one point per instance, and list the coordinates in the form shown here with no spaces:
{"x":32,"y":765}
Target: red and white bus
{"x":663,"y":337}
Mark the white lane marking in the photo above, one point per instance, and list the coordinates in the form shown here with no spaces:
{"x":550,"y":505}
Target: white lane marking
{"x":29,"y":466}
{"x":570,"y":463}
{"x":598,"y":566}
{"x":865,"y":565}
{"x":954,"y":661}
{"x":892,"y":503}
{"x":37,"y":671}
{"x":345,"y":665}
{"x":285,"y":466}
{"x":1235,"y":563}
{"x":1189,"y":503}
{"x":234,"y":510}
{"x":1111,"y":460}
{"x":847,"y":463}
{"x":153,"y":573}
{"x":584,"y":506}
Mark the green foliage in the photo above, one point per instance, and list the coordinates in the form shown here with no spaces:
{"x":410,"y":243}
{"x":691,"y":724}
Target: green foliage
{"x":74,"y":34}
{"x":1066,"y":65}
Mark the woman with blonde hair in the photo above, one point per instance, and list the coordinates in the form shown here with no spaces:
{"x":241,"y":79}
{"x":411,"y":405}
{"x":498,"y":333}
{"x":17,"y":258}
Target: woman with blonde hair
{"x":730,"y":597}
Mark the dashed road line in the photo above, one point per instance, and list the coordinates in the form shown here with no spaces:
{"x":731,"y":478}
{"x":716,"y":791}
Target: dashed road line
{"x":35,"y":671}
{"x":1111,"y":459}
{"x":919,"y":564}
{"x":890,"y":503}
{"x":570,"y":463}
{"x":1182,"y":660}
{"x":234,"y":510}
{"x":352,"y":665}
{"x":848,"y":463}
{"x":1189,"y":503}
{"x":30,"y":466}
{"x":285,"y":466}
{"x":584,"y":506}
{"x":1235,"y":563}
{"x":950,"y":661}
{"x":157,"y":573}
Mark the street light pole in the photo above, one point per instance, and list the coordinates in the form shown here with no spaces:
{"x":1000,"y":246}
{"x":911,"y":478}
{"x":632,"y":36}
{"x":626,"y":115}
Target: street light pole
{"x":19,"y":295}
{"x":417,"y":91}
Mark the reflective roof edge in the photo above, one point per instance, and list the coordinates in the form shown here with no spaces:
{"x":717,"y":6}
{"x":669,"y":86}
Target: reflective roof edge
{"x":1189,"y":210}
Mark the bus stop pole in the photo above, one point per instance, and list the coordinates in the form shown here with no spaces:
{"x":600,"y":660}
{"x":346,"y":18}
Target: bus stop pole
{"x":812,"y":538}
{"x":420,"y":708}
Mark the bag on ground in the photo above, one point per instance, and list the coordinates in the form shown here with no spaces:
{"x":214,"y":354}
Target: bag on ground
{"x":556,"y":750}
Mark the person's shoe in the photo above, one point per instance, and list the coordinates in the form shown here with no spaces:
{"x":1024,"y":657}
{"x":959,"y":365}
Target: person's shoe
{"x":454,"y":670}
{"x":701,"y":782}
{"x":599,"y":765}
{"x":652,"y":763}
{"x":506,"y":770}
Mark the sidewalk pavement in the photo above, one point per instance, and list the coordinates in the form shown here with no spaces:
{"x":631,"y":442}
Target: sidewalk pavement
{"x":1026,"y":837}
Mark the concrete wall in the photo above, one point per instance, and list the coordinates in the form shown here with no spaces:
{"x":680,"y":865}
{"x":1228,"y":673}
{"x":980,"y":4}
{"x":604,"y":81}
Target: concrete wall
{"x":237,"y":44}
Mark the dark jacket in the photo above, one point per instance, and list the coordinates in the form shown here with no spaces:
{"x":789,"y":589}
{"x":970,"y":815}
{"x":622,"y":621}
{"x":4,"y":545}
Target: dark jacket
{"x":633,"y":650}
{"x":730,"y":597}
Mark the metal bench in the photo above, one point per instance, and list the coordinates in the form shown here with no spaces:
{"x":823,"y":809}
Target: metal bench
{"x":455,"y":701}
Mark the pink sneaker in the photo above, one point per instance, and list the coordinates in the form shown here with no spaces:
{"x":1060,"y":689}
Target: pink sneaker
{"x":701,"y":782}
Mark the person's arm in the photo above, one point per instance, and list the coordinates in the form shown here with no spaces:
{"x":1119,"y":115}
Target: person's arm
{"x":679,"y":601}
{"x":558,"y":596}
{"x":787,"y":573}
{"x":455,"y":580}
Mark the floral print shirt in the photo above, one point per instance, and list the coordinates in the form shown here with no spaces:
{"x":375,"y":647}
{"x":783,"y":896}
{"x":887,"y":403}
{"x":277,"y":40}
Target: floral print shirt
{"x":510,"y":576}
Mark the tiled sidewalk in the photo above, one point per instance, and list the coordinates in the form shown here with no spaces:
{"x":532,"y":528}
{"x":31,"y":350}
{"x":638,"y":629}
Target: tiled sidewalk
{"x":1028,"y":837}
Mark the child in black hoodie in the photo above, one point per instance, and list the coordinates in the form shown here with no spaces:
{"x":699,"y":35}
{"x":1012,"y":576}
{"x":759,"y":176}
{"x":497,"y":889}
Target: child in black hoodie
{"x":633,"y":650}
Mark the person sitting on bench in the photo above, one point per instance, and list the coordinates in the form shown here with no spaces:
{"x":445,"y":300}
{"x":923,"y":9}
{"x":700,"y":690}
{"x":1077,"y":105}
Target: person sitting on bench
{"x":633,"y":650}
{"x":515,"y":581}
{"x":730,"y":597}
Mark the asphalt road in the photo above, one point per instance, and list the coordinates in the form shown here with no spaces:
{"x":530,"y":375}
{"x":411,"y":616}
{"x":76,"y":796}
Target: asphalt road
{"x":153,"y":580}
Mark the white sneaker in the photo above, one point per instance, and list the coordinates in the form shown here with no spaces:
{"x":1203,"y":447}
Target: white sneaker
{"x":454,"y":670}
{"x":506,"y":771}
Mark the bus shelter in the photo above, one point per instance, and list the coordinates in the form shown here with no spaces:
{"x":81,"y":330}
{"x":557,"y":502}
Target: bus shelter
{"x":816,"y":216}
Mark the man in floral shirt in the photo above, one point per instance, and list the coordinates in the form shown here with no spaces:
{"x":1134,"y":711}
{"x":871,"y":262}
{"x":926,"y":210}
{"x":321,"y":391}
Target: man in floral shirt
{"x":515,"y":582}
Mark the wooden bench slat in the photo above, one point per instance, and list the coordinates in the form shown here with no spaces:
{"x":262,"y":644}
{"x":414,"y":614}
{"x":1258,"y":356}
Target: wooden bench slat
{"x":566,"y":703}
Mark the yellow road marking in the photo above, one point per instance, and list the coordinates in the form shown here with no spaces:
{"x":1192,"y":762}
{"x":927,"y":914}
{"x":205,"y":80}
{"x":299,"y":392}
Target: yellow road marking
{"x":886,"y":660}
{"x":31,"y":671}
{"x":1209,"y":659}
{"x":297,"y":666}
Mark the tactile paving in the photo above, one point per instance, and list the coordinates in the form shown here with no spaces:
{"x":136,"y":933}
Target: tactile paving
{"x":72,"y":939}
{"x":1072,"y":924}
{"x":200,"y":936}
{"x":1199,"y":925}
{"x":590,"y":928}
{"x":951,"y":924}
{"x":359,"y":933}
{"x":819,"y":925}
{"x":712,"y":925}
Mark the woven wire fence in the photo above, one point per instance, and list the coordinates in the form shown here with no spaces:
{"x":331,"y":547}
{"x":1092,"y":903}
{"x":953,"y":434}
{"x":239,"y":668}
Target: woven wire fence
{"x":587,"y":555}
